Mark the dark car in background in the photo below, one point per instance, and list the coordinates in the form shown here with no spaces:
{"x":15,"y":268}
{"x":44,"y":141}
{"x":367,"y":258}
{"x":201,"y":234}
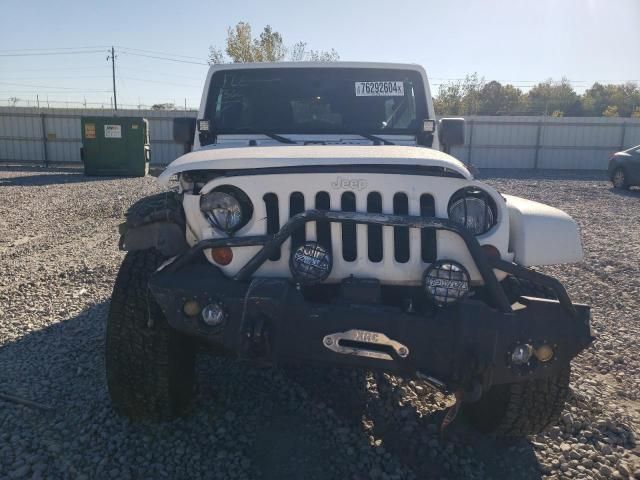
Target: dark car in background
{"x":624,"y":168}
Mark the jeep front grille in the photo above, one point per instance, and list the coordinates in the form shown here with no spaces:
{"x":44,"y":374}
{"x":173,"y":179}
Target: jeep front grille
{"x":371,"y":244}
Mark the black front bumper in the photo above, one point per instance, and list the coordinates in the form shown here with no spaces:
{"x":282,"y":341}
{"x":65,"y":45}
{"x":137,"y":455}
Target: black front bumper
{"x":461,"y":346}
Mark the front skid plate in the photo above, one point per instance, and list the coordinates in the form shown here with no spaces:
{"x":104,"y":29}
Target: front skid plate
{"x":362,"y":338}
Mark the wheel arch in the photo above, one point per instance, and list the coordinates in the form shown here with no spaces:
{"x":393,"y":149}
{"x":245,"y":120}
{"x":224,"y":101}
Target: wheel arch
{"x":157,"y":221}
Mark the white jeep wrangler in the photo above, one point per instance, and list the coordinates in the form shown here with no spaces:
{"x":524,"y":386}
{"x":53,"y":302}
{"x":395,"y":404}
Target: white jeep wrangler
{"x":317,"y":220}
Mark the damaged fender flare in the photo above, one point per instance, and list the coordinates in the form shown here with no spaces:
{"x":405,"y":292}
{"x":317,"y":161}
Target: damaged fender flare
{"x":157,"y":222}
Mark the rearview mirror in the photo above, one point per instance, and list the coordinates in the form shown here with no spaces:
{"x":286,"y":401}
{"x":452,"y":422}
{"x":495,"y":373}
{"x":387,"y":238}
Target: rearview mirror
{"x":184,"y":130}
{"x":451,"y":132}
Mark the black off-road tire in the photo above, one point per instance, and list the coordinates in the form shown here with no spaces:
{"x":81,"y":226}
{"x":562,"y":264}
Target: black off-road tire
{"x":150,"y":367}
{"x":619,"y":179}
{"x":523,"y":408}
{"x":161,"y":207}
{"x":520,"y":409}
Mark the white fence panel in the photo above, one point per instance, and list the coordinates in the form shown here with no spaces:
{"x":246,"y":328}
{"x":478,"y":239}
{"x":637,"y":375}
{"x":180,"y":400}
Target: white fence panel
{"x":492,"y":142}
{"x":546,"y":142}
{"x":22,"y":138}
{"x":632,"y":134}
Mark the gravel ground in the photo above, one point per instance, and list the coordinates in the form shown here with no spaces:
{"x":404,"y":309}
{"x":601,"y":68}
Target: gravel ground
{"x":58,"y":260}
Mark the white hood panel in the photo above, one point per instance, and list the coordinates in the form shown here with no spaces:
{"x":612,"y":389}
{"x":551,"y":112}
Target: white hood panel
{"x":306,"y":155}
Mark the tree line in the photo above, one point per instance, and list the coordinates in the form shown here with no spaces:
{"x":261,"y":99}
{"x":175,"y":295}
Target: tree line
{"x":475,"y":96}
{"x":241,"y":46}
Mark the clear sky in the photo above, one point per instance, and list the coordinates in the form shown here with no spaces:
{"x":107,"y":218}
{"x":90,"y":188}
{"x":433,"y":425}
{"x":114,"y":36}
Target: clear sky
{"x":517,"y":41}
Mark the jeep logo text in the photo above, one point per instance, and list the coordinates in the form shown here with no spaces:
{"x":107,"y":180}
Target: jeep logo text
{"x":349,"y":184}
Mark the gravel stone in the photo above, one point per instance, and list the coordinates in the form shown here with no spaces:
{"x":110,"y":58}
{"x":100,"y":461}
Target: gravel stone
{"x":605,"y":470}
{"x":58,"y":260}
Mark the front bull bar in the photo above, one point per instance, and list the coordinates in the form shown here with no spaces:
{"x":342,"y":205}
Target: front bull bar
{"x":484,"y":263}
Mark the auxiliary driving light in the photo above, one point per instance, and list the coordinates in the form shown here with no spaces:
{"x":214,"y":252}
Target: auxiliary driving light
{"x":191,"y":308}
{"x":310,"y":263}
{"x":213,"y":315}
{"x":521,"y":354}
{"x":544,"y":353}
{"x":446,"y":281}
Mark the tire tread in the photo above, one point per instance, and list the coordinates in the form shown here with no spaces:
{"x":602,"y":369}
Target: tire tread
{"x":150,"y":367}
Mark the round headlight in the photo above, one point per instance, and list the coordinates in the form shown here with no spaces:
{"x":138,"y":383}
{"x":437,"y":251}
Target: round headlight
{"x":473,"y":209}
{"x":310,"y":263}
{"x":227,"y":208}
{"x":446,"y":281}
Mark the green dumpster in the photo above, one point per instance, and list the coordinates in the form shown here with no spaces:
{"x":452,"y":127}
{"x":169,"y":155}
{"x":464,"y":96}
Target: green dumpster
{"x":115,"y":146}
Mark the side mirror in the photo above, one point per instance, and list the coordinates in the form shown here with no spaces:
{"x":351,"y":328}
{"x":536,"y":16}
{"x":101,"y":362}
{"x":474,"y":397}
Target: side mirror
{"x":451,"y":132}
{"x":184,"y":130}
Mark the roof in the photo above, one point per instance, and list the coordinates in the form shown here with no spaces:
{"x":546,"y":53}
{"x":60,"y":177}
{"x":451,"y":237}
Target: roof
{"x":250,"y":66}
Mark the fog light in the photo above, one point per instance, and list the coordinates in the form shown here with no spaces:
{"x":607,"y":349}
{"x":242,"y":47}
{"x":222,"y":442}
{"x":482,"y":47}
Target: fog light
{"x":544,"y":353}
{"x":446,"y":281}
{"x":191,"y":308}
{"x":213,"y":315}
{"x":222,"y":255}
{"x":310,"y":263}
{"x":521,"y":354}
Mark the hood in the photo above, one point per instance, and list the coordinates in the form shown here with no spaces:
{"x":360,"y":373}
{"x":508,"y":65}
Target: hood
{"x":308,"y":155}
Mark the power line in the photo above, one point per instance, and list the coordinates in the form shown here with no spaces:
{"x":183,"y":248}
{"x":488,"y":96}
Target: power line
{"x":48,"y":53}
{"x":55,"y":69}
{"x":159,"y":81}
{"x":48,"y":49}
{"x":573,"y":82}
{"x":82,"y":102}
{"x":58,"y":77}
{"x":137,"y":70}
{"x":166,"y":54}
{"x":82,"y":50}
{"x":49,"y":86}
{"x":33,"y":92}
{"x":164,"y":58}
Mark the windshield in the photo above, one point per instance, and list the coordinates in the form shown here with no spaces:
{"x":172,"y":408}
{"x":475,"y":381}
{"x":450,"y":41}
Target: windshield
{"x":317,"y":100}
{"x":635,"y":149}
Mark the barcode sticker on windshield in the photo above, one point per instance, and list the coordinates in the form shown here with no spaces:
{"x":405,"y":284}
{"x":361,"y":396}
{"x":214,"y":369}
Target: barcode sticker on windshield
{"x":379,"y":89}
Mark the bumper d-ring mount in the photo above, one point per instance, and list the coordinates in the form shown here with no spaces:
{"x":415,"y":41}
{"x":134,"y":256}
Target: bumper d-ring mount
{"x":365,"y":343}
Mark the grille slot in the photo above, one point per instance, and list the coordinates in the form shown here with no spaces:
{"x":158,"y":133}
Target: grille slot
{"x":428,"y":235}
{"x":349,"y":243}
{"x":374,"y":232}
{"x":323,"y":229}
{"x":296,"y":205}
{"x":273,"y":219}
{"x":401,"y":234}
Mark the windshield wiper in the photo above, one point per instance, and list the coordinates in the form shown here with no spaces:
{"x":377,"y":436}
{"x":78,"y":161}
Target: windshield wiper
{"x":376,"y":140}
{"x":279,"y":138}
{"x":272,"y":136}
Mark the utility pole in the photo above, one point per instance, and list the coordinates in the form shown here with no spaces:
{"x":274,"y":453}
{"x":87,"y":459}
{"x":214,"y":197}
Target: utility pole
{"x":113,"y":75}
